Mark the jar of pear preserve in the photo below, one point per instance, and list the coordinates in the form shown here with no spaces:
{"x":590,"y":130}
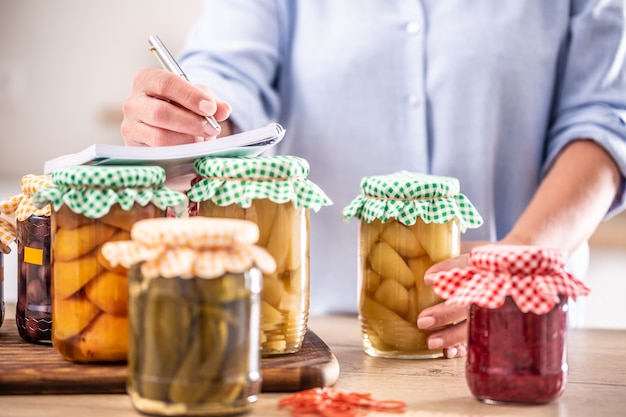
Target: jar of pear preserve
{"x":33,"y":313}
{"x":92,"y":205}
{"x":274,"y":193}
{"x":195,"y":286}
{"x":7,"y":236}
{"x":517,"y":344}
{"x":407,"y":223}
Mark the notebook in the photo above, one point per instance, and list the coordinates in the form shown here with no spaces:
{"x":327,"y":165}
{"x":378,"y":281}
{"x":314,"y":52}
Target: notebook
{"x":177,"y":160}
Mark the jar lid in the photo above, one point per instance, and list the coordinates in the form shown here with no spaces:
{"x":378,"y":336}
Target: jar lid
{"x":240,"y":180}
{"x":191,"y":247}
{"x":21,"y":205}
{"x":7,"y":234}
{"x":405,"y":196}
{"x":533,"y":276}
{"x":93,"y":190}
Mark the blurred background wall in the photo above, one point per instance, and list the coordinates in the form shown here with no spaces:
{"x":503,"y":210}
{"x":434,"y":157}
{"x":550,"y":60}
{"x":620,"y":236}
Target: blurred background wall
{"x":67,"y":65}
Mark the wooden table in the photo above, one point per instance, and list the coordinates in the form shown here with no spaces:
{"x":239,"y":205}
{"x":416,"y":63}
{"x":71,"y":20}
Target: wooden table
{"x":597,"y":382}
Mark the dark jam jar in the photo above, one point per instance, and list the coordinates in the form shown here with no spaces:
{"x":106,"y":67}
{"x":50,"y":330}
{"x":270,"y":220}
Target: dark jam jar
{"x":33,"y":314}
{"x":517,"y":357}
{"x":30,"y":228}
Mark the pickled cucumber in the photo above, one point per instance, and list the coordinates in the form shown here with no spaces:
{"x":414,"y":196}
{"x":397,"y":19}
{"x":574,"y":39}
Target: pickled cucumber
{"x":192,"y":338}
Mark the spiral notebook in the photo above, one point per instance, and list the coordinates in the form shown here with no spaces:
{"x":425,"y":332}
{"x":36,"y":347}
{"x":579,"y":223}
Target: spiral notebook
{"x":177,"y":160}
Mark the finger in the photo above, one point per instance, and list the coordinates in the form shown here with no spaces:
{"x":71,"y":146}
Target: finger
{"x":137,"y":133}
{"x":171,"y":87}
{"x":448,"y":337}
{"x":441,"y":315}
{"x":457,"y":351}
{"x":223,"y":109}
{"x":170,"y":116}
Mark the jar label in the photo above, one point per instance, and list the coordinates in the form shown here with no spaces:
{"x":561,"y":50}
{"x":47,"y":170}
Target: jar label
{"x":33,"y":256}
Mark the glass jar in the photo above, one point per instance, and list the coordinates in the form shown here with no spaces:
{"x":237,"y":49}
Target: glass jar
{"x":91,"y":206}
{"x":33,"y":312}
{"x":517,"y":357}
{"x":402,"y":232}
{"x":517,"y":343}
{"x":194,"y":325}
{"x":272,"y":192}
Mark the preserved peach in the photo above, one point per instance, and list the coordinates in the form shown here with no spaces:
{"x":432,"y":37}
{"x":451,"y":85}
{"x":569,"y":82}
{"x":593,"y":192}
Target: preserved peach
{"x":70,"y":244}
{"x":76,"y":274}
{"x":72,"y":316}
{"x":109,"y":292}
{"x":104,"y":340}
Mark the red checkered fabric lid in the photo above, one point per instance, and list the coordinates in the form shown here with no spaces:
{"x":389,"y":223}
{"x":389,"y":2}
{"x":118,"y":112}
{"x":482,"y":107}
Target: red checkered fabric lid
{"x":534,"y":277}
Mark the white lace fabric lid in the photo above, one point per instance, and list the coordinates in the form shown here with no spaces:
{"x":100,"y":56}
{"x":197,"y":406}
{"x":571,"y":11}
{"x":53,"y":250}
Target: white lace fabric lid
{"x":191,"y":247}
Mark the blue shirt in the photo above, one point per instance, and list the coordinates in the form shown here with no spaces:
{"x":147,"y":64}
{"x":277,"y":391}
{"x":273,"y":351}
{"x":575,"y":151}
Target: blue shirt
{"x":487,"y":91}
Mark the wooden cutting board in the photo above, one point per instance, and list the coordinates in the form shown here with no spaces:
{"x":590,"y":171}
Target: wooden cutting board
{"x":26,"y":368}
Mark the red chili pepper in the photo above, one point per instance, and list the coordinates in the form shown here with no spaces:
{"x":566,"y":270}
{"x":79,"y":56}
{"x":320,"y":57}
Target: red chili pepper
{"x":331,"y":402}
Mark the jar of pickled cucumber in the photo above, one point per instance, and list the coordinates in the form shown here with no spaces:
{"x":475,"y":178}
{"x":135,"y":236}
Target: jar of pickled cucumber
{"x":33,"y":313}
{"x":195,"y":287}
{"x":407,"y":223}
{"x":7,"y":236}
{"x":274,"y":193}
{"x":92,"y":205}
{"x":517,"y":343}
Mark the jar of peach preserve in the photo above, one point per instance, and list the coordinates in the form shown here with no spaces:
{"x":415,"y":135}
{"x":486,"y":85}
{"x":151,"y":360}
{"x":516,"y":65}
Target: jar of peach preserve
{"x":92,"y":205}
{"x":408,"y":222}
{"x":517,"y":346}
{"x":7,"y":236}
{"x":33,"y":313}
{"x":194,"y":285}
{"x":274,"y":193}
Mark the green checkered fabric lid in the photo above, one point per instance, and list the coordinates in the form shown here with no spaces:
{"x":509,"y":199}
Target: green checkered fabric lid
{"x":405,"y":196}
{"x":240,"y":180}
{"x":93,"y":190}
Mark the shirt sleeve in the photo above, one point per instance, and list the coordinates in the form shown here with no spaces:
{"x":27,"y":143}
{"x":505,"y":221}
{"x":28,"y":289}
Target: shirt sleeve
{"x":236,"y":48}
{"x":591,"y":97}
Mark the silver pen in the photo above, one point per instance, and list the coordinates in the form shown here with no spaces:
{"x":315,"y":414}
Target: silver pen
{"x":169,"y":63}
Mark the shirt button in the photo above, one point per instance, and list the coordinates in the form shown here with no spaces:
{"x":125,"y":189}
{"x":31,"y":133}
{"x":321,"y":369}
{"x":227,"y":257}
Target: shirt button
{"x":413,"y":100}
{"x":412,"y":28}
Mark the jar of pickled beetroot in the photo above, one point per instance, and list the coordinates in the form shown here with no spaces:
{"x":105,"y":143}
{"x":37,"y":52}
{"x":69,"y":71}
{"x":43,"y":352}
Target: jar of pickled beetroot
{"x":33,"y":313}
{"x":408,"y":222}
{"x":274,"y":193}
{"x":7,"y":236}
{"x":92,"y":205}
{"x":195,"y":287}
{"x":517,"y":344}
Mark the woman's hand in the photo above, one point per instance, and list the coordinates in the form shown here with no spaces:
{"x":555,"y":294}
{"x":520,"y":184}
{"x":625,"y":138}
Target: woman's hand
{"x":164,"y":109}
{"x":449,"y":318}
